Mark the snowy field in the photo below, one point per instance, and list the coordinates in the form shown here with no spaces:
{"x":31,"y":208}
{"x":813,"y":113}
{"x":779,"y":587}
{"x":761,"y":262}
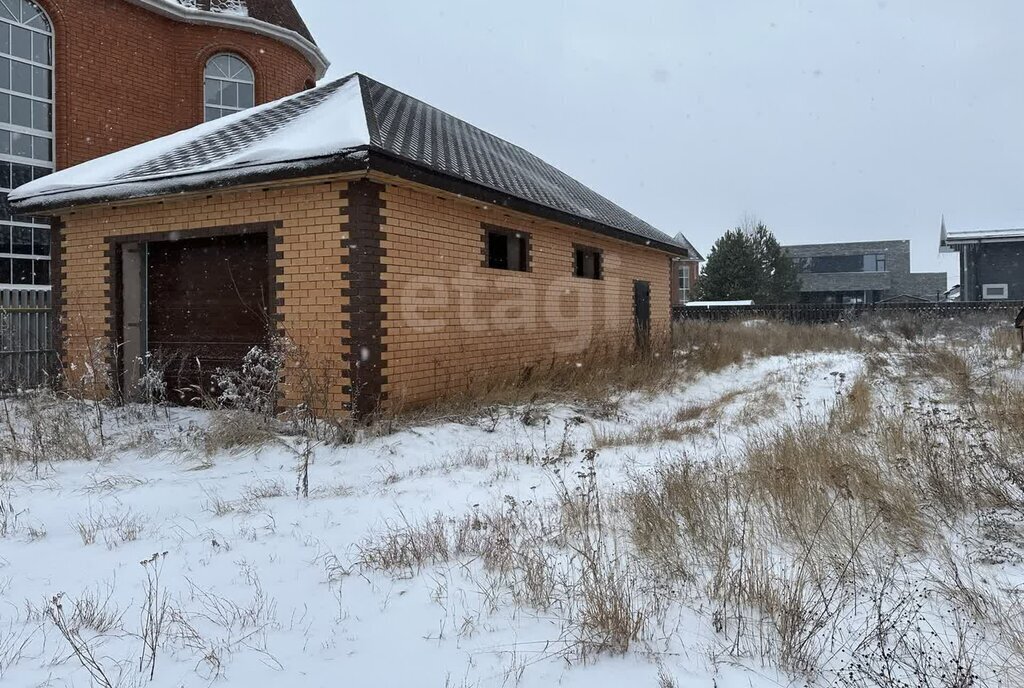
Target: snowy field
{"x":833,"y":517}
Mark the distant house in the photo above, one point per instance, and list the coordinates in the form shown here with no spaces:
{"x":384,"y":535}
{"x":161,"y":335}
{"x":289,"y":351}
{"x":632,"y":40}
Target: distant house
{"x":405,"y":252}
{"x":862,"y":272}
{"x":991,"y":262}
{"x":685,"y":272}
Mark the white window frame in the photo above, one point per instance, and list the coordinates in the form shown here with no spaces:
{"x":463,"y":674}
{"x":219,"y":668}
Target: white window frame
{"x":987,"y":289}
{"x":226,"y":110}
{"x":49,"y":165}
{"x":685,"y":283}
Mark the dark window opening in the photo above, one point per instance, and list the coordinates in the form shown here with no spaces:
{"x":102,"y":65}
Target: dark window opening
{"x":871,"y":262}
{"x":508,"y":251}
{"x":588,"y":263}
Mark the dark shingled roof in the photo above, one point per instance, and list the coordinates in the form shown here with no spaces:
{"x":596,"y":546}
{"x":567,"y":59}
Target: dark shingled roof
{"x":407,"y":137}
{"x":412,"y":130}
{"x":280,"y":13}
{"x":685,"y":243}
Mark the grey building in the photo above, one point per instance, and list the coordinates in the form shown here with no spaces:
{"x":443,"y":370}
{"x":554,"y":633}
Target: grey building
{"x":862,"y":272}
{"x":991,"y":263}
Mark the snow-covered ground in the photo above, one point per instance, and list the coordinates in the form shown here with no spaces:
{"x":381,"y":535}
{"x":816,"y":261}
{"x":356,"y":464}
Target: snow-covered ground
{"x":261,"y":587}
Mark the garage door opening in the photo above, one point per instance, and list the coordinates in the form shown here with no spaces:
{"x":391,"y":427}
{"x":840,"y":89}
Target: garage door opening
{"x":191,"y":306}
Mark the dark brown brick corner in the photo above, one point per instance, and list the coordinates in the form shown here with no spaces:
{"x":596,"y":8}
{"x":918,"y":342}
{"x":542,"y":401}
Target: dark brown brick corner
{"x":57,"y":301}
{"x":364,"y":350}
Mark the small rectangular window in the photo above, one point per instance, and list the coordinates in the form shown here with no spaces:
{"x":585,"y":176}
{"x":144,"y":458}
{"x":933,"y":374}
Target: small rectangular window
{"x":995,"y":291}
{"x":507,"y":249}
{"x":588,"y":263}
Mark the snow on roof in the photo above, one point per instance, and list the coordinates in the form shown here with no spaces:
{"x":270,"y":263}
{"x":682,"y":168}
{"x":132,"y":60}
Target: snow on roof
{"x":316,"y":124}
{"x":984,"y":235}
{"x":278,"y":19}
{"x":717,"y":304}
{"x":344,"y":126}
{"x":222,"y":6}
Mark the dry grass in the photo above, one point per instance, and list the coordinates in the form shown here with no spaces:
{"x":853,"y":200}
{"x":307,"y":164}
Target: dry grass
{"x":232,"y":431}
{"x":646,"y":433}
{"x":785,"y":542}
{"x":116,"y":528}
{"x":592,"y":380}
{"x":39,"y":428}
{"x":814,"y":540}
{"x":711,"y":346}
{"x":550,"y":556}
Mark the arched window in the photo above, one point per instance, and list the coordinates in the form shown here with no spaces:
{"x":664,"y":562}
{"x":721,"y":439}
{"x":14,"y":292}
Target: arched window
{"x":230,"y":86}
{"x":26,"y":137}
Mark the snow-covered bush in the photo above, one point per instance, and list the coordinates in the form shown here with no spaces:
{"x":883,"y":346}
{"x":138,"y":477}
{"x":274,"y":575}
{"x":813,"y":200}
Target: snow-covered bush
{"x":253,"y":386}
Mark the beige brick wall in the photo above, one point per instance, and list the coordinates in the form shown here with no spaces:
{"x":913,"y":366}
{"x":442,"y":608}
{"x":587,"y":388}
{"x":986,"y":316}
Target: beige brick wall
{"x":450,"y":320}
{"x":310,"y":263}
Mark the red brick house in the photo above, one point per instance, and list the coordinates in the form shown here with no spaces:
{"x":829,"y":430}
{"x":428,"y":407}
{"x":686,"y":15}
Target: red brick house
{"x":685,"y":272}
{"x":404,"y":252}
{"x":83,"y":78}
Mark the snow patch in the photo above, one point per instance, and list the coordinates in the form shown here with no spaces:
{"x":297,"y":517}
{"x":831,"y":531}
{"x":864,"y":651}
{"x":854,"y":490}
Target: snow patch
{"x":236,"y":7}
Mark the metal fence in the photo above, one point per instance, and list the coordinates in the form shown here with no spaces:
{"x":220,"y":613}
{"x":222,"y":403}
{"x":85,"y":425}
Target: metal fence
{"x":832,"y":313}
{"x":26,"y":359}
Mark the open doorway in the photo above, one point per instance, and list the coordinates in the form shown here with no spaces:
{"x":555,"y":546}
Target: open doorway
{"x":190,"y":306}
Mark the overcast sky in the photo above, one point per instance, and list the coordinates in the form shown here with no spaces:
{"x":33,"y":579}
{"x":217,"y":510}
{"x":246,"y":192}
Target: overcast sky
{"x":833,"y":120}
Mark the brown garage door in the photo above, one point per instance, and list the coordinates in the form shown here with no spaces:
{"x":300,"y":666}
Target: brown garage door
{"x":207,"y":306}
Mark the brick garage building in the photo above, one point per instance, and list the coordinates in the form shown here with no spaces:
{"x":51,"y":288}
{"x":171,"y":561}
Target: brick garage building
{"x":83,"y":78}
{"x":403,"y":251}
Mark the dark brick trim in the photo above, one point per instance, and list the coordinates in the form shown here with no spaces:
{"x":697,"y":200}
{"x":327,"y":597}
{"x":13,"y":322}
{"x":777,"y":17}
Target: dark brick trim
{"x":364,"y":315}
{"x":57,"y":300}
{"x":115,"y":285}
{"x":507,"y":231}
{"x":600,"y":265}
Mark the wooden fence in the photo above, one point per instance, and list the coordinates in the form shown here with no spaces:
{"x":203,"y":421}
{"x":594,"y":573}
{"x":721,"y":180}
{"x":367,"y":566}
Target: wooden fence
{"x":832,"y":313}
{"x":26,"y":359}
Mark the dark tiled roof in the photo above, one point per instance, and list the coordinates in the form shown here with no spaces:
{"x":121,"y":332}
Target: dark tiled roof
{"x":415,"y":131}
{"x":685,"y":243}
{"x":280,"y":13}
{"x":234,"y":138}
{"x":400,"y":128}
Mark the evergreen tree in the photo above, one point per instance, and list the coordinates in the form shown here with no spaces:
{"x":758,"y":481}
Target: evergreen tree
{"x":731,"y":271}
{"x":779,"y":280}
{"x":748,"y":264}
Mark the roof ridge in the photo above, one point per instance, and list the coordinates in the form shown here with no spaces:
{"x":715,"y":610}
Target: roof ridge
{"x":445,"y":112}
{"x":372,"y":125}
{"x":370,"y":81}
